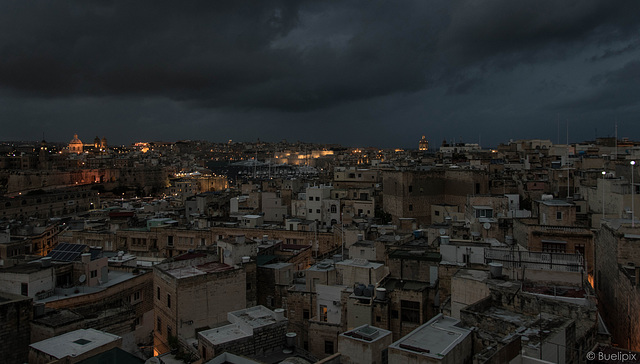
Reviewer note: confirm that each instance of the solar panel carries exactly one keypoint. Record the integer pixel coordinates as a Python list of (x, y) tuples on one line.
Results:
[(65, 252)]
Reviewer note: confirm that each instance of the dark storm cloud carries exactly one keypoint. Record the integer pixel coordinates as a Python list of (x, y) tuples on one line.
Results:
[(614, 90), (220, 53), (235, 57)]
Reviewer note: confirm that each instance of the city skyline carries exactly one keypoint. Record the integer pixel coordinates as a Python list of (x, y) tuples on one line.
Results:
[(357, 74)]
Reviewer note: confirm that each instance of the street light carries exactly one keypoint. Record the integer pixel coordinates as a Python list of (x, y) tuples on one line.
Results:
[(632, 192), (603, 174)]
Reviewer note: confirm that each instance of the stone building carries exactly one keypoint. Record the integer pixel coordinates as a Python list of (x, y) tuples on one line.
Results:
[(558, 324), (49, 204), (15, 315), (364, 344), (617, 277), (122, 305), (252, 331), (194, 292), (73, 347), (410, 194), (75, 145), (440, 340)]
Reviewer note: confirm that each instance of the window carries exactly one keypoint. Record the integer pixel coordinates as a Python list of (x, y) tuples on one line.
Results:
[(136, 296), (305, 314), (410, 188), (310, 211), (323, 313), (378, 319), (488, 213), (248, 286), (317, 198), (169, 300), (159, 325), (158, 292), (318, 211), (137, 321), (437, 213), (554, 246), (169, 331), (410, 207), (394, 314), (559, 215), (170, 240), (94, 273), (328, 347), (24, 289), (410, 311), (334, 209)]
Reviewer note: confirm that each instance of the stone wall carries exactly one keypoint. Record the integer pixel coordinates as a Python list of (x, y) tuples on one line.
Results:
[(264, 340), (15, 317), (410, 194), (319, 334)]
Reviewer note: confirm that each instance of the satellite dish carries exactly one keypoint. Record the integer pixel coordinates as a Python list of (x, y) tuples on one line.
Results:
[(443, 232), (486, 226), (397, 237), (82, 278), (383, 232)]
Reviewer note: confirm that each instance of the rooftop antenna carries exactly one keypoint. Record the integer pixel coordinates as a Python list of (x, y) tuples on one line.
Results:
[(615, 155), (558, 128)]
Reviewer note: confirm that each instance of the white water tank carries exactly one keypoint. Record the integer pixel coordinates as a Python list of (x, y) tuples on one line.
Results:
[(381, 293), (278, 314), (495, 269)]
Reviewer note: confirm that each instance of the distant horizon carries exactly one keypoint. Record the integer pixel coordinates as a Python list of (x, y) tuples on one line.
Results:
[(432, 147)]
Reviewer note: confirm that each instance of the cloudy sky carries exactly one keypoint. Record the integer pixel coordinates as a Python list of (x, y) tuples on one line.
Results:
[(361, 73)]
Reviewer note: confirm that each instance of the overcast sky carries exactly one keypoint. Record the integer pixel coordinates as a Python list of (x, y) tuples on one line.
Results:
[(359, 73)]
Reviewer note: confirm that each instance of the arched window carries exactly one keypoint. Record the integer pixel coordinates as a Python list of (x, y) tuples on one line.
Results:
[(334, 209)]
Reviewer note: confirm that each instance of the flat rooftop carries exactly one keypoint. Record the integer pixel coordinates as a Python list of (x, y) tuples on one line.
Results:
[(243, 322), (277, 265), (58, 318), (74, 343), (256, 316), (555, 203), (366, 333), (25, 268), (416, 255), (196, 270), (115, 277), (473, 274), (224, 334), (360, 263), (434, 338)]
